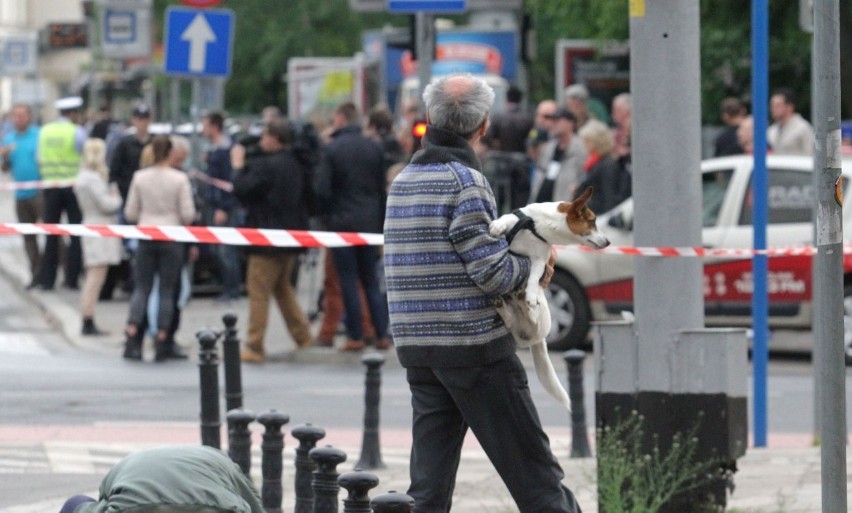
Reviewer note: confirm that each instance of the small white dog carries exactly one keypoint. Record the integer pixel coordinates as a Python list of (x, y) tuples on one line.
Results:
[(531, 231)]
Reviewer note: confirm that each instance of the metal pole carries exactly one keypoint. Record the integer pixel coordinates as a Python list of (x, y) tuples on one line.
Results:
[(425, 47), (208, 368), (579, 435), (231, 355), (759, 80), (829, 285), (371, 454)]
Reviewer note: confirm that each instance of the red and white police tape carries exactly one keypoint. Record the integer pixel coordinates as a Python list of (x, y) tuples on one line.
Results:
[(202, 234), (36, 184), (318, 239)]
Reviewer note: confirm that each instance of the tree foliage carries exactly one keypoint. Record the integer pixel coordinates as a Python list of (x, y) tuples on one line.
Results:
[(269, 32), (725, 44)]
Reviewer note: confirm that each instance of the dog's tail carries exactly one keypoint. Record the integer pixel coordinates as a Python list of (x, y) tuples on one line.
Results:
[(546, 374)]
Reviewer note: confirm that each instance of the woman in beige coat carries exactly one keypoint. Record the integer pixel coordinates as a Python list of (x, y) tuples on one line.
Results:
[(99, 204), (159, 196)]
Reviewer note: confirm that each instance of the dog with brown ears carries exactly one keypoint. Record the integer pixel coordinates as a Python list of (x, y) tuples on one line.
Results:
[(532, 231)]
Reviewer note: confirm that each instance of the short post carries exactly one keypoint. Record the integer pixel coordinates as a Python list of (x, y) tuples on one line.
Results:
[(231, 356), (272, 449), (392, 502), (325, 478), (208, 368), (371, 457), (357, 484), (579, 434), (308, 436), (239, 438)]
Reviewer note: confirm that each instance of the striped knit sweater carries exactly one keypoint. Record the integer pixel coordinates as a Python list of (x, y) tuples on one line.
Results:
[(442, 267)]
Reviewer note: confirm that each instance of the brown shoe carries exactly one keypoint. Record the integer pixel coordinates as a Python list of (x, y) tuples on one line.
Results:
[(353, 345), (383, 344), (249, 355)]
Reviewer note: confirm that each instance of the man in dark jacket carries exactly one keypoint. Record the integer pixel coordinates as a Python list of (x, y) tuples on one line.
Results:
[(220, 205), (274, 189), (350, 188)]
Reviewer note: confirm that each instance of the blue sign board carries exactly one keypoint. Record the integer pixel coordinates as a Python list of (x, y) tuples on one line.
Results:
[(199, 42), (429, 6)]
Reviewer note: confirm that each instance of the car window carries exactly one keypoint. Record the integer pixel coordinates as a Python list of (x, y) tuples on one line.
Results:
[(714, 185), (790, 198)]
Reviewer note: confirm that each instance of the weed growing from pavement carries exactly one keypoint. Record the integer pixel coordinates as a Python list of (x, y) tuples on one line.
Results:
[(633, 480)]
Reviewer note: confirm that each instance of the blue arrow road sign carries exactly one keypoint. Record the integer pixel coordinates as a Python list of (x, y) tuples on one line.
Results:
[(199, 41), (428, 6)]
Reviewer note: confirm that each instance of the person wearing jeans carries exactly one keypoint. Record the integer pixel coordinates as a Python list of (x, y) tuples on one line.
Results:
[(350, 187), (159, 196)]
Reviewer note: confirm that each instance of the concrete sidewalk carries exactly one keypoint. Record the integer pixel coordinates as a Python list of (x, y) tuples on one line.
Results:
[(784, 478)]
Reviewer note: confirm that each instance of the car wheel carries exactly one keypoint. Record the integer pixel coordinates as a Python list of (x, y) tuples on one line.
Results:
[(569, 312), (847, 323)]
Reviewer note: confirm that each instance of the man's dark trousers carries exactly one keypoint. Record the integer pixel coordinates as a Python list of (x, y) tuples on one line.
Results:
[(494, 401), (57, 201)]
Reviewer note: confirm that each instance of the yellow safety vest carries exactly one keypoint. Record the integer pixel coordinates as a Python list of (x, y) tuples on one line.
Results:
[(59, 159)]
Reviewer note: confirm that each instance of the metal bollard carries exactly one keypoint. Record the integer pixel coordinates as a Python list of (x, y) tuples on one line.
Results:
[(272, 449), (208, 368), (392, 502), (231, 357), (239, 438), (579, 435), (371, 456), (324, 484), (357, 483), (308, 436)]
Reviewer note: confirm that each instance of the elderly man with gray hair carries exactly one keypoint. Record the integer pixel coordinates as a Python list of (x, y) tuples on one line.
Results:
[(443, 270)]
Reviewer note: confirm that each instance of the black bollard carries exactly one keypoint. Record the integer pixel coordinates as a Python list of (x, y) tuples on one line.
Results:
[(271, 464), (324, 484), (308, 436), (231, 357), (371, 456), (239, 438), (579, 435), (357, 483), (208, 368), (392, 502)]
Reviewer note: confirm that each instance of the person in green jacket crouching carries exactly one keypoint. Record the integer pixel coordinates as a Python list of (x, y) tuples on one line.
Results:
[(173, 479)]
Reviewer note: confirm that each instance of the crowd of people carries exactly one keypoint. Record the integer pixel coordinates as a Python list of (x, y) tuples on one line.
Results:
[(99, 172)]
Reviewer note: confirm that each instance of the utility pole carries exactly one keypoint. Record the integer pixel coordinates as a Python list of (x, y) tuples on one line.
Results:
[(829, 240), (678, 375)]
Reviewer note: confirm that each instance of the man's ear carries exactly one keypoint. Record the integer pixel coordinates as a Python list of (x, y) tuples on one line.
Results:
[(483, 128)]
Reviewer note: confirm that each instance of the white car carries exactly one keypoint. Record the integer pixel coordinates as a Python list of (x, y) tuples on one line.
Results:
[(594, 287)]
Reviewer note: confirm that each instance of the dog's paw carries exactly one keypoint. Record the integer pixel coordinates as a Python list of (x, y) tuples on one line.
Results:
[(497, 228)]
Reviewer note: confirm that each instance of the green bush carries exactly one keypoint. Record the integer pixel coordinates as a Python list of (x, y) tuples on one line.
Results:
[(635, 479)]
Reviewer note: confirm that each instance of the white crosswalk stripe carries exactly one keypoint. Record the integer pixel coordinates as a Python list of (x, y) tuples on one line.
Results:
[(21, 344)]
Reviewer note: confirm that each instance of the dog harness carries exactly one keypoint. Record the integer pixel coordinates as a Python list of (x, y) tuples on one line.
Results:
[(525, 222)]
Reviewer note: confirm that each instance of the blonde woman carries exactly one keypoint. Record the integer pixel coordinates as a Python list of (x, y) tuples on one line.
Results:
[(612, 183), (159, 196), (99, 204)]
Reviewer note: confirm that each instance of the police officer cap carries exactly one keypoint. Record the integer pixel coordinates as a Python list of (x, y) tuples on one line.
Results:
[(69, 103)]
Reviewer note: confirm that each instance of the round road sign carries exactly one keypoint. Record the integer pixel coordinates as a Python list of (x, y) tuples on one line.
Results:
[(201, 3)]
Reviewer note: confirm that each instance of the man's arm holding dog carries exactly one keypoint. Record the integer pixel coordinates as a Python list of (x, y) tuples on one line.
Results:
[(487, 259), (548, 269)]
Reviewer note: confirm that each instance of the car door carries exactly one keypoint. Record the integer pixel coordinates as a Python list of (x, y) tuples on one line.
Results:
[(790, 200)]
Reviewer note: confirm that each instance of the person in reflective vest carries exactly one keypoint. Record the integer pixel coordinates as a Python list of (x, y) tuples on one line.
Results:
[(60, 145)]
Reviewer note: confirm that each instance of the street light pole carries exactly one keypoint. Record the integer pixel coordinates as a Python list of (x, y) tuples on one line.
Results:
[(829, 241)]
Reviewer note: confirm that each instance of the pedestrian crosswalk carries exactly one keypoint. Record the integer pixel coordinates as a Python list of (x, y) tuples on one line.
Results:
[(21, 344)]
